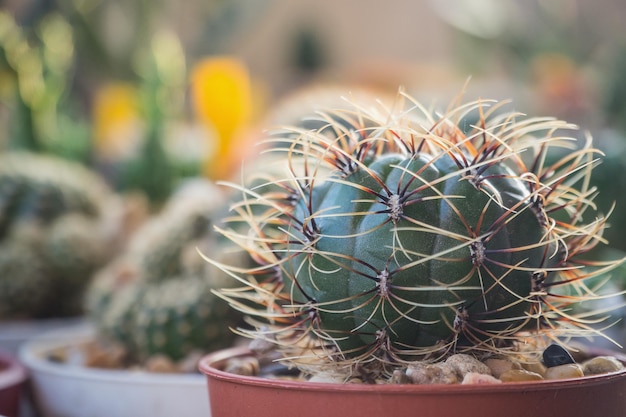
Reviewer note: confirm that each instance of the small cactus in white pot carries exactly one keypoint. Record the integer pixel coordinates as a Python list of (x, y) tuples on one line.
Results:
[(154, 301), (389, 234)]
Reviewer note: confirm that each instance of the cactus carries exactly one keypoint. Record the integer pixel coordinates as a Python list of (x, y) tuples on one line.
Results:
[(392, 233), (156, 298), (179, 316), (24, 284), (41, 189), (56, 219)]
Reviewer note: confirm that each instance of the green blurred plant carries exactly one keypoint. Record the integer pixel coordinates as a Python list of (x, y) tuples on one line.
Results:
[(55, 59), (58, 224), (156, 298), (161, 71), (36, 66)]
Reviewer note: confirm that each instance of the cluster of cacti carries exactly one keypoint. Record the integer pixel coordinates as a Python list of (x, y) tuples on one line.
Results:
[(157, 297), (388, 234), (55, 231)]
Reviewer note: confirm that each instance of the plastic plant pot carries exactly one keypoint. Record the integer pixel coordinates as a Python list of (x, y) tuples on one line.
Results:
[(13, 377), (237, 396), (14, 333), (72, 390)]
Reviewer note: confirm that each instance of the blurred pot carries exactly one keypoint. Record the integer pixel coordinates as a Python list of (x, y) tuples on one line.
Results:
[(13, 333), (12, 380), (72, 390)]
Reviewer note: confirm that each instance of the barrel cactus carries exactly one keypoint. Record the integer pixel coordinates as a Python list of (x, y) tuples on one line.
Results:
[(386, 234), (57, 222), (155, 299)]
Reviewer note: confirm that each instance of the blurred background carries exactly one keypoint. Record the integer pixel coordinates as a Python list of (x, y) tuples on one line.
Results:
[(149, 92)]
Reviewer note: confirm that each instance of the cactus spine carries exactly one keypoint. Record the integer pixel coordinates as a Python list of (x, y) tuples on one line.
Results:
[(397, 234)]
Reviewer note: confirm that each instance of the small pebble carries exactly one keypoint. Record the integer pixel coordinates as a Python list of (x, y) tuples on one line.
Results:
[(161, 364), (519, 375), (478, 378), (247, 366), (57, 355), (569, 370), (464, 364), (110, 356), (602, 365), (436, 373), (498, 366), (536, 367), (327, 378), (556, 355), (399, 377), (356, 380)]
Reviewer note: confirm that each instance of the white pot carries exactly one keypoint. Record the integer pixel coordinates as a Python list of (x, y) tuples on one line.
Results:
[(66, 390), (14, 333)]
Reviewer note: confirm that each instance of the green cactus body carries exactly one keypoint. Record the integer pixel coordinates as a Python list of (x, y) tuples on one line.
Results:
[(113, 305), (172, 317), (180, 316), (41, 188), (395, 235), (386, 247), (25, 287), (167, 242), (156, 298), (61, 214)]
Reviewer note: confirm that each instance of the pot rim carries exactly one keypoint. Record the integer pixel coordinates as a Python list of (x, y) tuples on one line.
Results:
[(209, 366), (33, 356), (19, 329), (11, 371)]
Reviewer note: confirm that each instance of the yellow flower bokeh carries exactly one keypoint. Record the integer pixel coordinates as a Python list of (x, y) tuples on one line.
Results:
[(222, 101), (116, 120)]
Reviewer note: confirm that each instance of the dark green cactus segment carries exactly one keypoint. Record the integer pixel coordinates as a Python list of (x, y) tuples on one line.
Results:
[(173, 317), (40, 188), (365, 240), (73, 246), (25, 284), (401, 235), (180, 316), (113, 306), (164, 259)]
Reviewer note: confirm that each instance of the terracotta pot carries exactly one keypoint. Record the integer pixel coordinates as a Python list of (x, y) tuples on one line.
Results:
[(12, 380), (72, 390), (241, 396)]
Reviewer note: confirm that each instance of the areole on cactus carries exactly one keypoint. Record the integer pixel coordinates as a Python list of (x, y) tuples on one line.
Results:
[(389, 233)]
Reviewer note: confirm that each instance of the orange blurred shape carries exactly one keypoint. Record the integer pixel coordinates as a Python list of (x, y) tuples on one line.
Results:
[(556, 75)]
